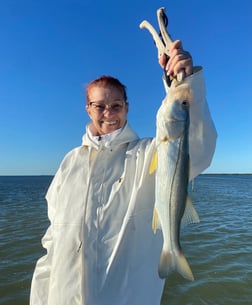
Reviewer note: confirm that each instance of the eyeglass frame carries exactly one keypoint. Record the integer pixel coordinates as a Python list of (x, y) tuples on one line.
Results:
[(105, 106)]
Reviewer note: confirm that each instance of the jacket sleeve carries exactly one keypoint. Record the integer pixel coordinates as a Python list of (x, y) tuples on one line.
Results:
[(202, 132), (42, 273)]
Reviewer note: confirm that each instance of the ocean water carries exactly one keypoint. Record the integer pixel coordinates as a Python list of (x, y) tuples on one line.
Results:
[(219, 248)]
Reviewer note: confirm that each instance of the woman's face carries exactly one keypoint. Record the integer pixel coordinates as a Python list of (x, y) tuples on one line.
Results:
[(107, 109)]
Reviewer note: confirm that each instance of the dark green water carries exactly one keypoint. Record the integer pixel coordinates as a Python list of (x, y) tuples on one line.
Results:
[(219, 248)]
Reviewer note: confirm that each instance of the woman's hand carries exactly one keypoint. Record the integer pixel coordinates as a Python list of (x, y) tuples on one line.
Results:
[(179, 60)]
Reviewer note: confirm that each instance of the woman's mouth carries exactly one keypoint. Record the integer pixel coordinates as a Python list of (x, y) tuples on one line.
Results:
[(109, 123)]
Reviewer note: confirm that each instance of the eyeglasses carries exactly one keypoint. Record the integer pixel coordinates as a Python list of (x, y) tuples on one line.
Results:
[(100, 107)]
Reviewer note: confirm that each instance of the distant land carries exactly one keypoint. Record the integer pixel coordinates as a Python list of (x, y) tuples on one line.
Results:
[(203, 174)]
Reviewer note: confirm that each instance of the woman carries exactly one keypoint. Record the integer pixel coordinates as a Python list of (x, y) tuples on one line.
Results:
[(100, 246)]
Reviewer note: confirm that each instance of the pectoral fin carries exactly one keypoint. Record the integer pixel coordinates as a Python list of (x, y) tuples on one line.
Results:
[(154, 163)]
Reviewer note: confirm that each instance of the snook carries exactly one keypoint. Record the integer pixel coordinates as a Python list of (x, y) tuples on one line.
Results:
[(172, 172)]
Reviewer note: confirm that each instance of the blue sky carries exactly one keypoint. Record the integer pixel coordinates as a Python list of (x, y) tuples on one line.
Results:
[(51, 49)]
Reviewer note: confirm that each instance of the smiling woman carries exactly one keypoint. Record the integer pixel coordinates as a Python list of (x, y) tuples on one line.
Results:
[(106, 105)]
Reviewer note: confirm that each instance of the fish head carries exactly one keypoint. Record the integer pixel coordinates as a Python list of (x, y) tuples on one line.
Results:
[(175, 112)]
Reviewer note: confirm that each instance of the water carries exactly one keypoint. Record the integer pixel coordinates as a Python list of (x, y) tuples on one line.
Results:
[(219, 249), (23, 221)]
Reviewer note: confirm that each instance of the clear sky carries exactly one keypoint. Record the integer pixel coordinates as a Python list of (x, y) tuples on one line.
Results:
[(50, 49)]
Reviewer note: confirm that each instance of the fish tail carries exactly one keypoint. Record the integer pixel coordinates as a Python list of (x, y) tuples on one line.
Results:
[(170, 261)]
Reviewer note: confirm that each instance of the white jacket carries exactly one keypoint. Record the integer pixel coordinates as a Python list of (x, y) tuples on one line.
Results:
[(100, 246)]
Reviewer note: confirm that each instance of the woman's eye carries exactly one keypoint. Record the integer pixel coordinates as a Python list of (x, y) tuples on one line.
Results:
[(100, 107), (115, 106)]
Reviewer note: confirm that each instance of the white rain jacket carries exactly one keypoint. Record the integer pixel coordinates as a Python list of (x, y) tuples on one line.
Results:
[(100, 246)]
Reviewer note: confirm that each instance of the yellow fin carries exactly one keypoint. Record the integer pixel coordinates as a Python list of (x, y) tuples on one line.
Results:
[(154, 163), (154, 221)]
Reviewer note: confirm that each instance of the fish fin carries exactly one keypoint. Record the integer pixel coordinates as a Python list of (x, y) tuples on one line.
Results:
[(190, 214), (154, 162), (170, 261), (155, 221)]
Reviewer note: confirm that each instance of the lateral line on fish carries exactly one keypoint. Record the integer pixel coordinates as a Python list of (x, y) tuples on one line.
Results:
[(172, 182)]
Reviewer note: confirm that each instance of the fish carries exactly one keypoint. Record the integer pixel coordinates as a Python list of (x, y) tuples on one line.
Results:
[(173, 207)]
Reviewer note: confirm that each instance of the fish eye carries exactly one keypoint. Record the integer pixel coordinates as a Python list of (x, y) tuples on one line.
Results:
[(185, 104)]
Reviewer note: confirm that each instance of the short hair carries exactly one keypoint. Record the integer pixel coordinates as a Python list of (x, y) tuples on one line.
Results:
[(106, 81)]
